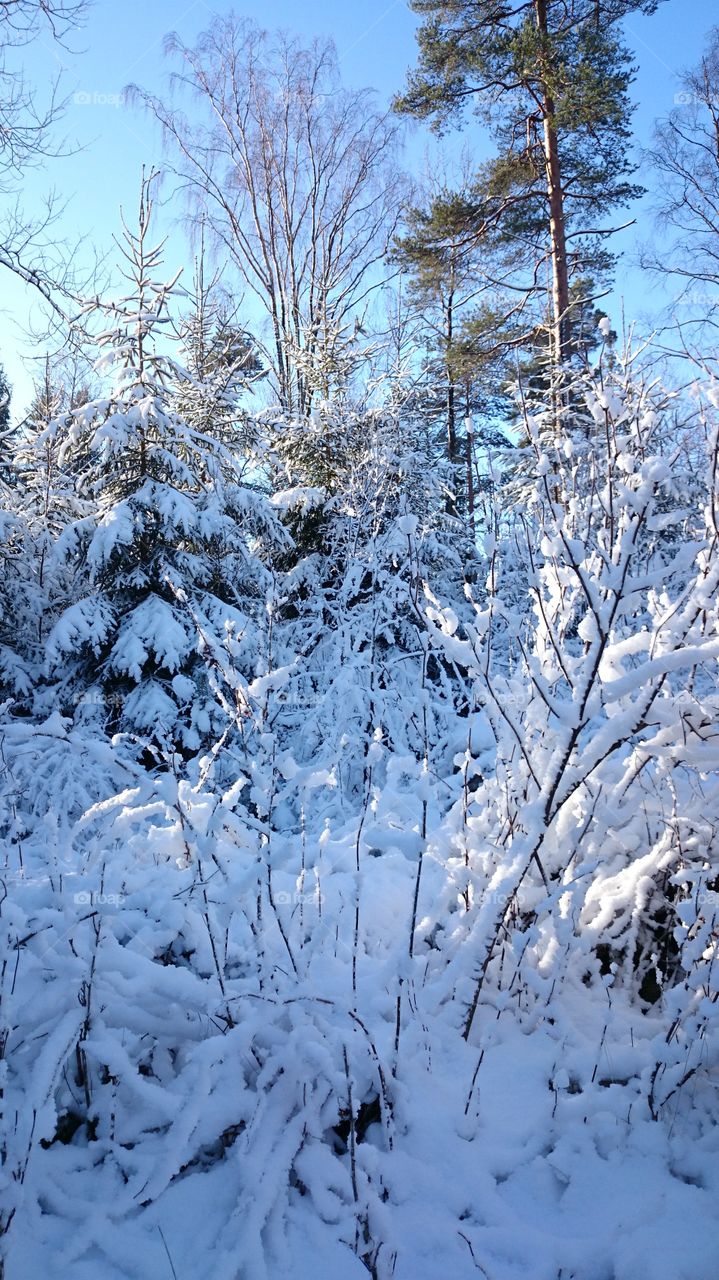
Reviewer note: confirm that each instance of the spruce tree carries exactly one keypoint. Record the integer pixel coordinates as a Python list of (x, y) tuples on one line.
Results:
[(15, 676), (172, 547), (220, 361), (6, 433), (50, 507)]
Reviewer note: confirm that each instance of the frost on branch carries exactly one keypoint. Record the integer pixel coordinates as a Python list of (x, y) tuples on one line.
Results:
[(420, 928)]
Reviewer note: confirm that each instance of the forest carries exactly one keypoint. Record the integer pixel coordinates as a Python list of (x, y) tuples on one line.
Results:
[(359, 630)]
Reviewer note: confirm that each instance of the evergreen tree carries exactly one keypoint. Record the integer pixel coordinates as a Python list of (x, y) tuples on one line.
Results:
[(49, 504), (434, 252), (552, 78), (172, 574), (16, 598), (220, 362), (5, 392), (6, 433), (466, 326)]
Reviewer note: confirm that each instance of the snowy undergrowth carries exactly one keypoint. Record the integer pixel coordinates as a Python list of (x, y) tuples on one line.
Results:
[(182, 1066), (415, 974)]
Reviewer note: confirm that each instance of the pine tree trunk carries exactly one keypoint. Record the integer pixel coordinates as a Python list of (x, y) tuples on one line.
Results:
[(469, 461), (451, 408), (557, 226)]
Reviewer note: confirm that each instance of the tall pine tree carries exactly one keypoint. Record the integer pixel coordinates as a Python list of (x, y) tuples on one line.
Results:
[(552, 78)]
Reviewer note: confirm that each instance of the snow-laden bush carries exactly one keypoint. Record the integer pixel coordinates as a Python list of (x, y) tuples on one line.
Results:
[(586, 853), (412, 972)]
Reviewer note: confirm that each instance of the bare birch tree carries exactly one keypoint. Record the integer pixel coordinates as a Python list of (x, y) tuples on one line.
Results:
[(27, 140), (294, 175), (685, 156)]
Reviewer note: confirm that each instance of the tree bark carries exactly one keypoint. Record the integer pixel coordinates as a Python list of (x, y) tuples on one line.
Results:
[(469, 460), (451, 407), (557, 225)]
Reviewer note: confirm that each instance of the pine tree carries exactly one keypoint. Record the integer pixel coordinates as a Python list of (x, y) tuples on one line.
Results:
[(442, 283), (464, 323), (552, 78), (5, 392), (15, 673)]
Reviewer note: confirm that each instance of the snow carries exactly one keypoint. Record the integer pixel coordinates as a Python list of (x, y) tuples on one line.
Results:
[(357, 918)]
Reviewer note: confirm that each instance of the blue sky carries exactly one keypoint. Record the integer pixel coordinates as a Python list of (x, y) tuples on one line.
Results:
[(122, 43)]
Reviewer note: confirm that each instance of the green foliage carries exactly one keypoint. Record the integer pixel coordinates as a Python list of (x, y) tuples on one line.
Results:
[(481, 51), (5, 393), (526, 69), (7, 468), (466, 328)]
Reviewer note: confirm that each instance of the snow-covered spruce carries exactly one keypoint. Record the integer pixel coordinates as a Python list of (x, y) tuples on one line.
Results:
[(172, 542)]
